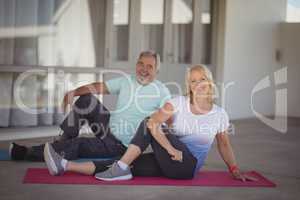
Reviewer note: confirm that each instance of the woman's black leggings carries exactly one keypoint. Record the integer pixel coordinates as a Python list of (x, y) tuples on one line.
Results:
[(158, 163)]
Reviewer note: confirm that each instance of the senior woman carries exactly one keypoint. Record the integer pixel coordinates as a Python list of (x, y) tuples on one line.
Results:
[(179, 149)]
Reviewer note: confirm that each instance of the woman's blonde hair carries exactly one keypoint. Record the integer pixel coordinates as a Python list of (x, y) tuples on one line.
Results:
[(207, 73)]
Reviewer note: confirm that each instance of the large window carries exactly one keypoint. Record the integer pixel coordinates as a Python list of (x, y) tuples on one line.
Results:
[(90, 33), (79, 37), (182, 31), (293, 11), (120, 30), (50, 32), (179, 30), (152, 24)]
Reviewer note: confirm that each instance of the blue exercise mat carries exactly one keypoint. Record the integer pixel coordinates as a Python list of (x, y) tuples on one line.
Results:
[(4, 156)]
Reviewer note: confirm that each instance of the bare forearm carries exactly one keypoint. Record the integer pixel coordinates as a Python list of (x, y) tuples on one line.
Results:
[(154, 125), (93, 88), (161, 138), (227, 154)]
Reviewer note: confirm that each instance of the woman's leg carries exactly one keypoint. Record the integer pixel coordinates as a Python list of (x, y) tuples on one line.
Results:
[(171, 168), (120, 170), (132, 153), (138, 144), (146, 165), (87, 107)]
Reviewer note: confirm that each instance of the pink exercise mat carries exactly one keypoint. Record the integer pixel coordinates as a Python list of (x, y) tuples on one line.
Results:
[(204, 178)]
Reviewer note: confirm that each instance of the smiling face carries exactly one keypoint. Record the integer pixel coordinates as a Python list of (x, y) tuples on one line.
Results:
[(146, 69), (199, 84)]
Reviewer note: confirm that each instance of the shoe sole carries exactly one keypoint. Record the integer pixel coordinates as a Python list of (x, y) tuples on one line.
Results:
[(49, 161), (119, 178), (11, 146)]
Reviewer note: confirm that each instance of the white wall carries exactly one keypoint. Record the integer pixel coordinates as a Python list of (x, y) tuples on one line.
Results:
[(251, 39), (290, 45)]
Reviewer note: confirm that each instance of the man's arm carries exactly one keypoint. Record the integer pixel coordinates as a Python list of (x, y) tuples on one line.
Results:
[(93, 88)]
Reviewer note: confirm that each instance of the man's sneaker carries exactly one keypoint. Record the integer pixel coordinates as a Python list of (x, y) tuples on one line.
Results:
[(53, 161), (17, 152), (114, 173)]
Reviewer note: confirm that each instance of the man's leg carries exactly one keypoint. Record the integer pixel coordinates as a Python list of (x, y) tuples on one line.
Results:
[(95, 147), (106, 147), (80, 147), (66, 148), (88, 108)]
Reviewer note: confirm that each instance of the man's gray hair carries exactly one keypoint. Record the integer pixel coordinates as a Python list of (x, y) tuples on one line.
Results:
[(153, 54)]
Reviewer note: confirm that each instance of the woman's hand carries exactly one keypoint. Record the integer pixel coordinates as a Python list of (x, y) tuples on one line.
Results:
[(176, 155), (68, 100), (243, 177)]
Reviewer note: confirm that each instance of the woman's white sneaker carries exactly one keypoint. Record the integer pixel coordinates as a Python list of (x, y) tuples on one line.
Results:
[(114, 173)]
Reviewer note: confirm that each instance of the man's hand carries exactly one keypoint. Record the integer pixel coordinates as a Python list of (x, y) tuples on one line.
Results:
[(68, 100), (176, 155), (243, 177)]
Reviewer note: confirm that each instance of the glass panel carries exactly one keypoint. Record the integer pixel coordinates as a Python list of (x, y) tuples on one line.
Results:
[(7, 21), (45, 91), (205, 18), (152, 12), (120, 30), (206, 29), (6, 51), (58, 3), (293, 11), (182, 27), (25, 52), (24, 100), (70, 37), (52, 32), (25, 49)]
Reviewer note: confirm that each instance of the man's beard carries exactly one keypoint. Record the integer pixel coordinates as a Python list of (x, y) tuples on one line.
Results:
[(143, 80)]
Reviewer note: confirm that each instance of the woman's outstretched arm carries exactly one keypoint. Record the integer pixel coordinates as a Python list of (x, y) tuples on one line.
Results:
[(226, 152)]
